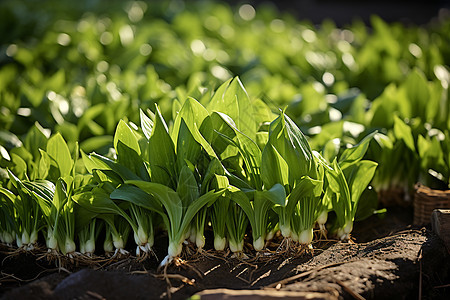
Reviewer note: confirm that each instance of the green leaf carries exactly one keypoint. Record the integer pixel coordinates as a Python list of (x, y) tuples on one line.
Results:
[(35, 140), (161, 153), (358, 178), (404, 132), (167, 198), (242, 200), (417, 91), (43, 192), (188, 149), (20, 166), (248, 149), (192, 112), (8, 194), (146, 124), (60, 196), (125, 135), (187, 188), (194, 116), (274, 169), (277, 195), (368, 204), (291, 144), (232, 98), (354, 154), (43, 188), (128, 150), (91, 163), (97, 201), (58, 150), (341, 201), (4, 154), (98, 162), (138, 197), (83, 218), (96, 142), (205, 200), (215, 168)]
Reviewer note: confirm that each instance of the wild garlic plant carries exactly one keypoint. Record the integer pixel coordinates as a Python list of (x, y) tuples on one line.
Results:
[(225, 161), (347, 179)]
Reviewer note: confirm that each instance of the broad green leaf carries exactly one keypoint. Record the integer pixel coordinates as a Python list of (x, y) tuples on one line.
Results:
[(42, 188), (91, 163), (262, 112), (219, 94), (404, 132), (331, 149), (342, 199), (384, 141), (223, 133), (232, 98), (367, 205), (125, 135), (167, 197), (138, 197), (188, 149), (96, 142), (42, 192), (205, 200), (8, 194), (193, 113), (292, 145), (356, 153), (262, 138), (4, 153), (161, 153), (35, 140), (358, 178), (24, 205), (242, 200), (83, 218), (274, 169), (417, 91), (304, 188), (146, 124), (97, 162), (248, 147), (202, 141), (60, 197), (20, 166), (215, 168), (58, 150), (276, 194), (321, 161), (97, 201), (128, 150), (187, 188)]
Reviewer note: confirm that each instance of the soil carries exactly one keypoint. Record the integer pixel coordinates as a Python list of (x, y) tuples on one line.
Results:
[(389, 259)]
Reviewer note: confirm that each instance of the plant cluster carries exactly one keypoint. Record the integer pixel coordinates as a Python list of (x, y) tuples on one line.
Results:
[(229, 163)]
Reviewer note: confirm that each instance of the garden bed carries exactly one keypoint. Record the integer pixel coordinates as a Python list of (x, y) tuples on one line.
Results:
[(389, 259)]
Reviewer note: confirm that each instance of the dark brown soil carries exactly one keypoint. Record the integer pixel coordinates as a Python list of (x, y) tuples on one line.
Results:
[(389, 260)]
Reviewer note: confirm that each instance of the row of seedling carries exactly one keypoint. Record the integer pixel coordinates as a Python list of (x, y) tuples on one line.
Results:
[(227, 162)]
